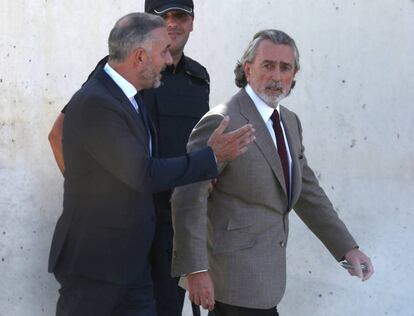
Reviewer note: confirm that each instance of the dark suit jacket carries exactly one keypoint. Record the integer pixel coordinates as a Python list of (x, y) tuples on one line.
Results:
[(107, 225)]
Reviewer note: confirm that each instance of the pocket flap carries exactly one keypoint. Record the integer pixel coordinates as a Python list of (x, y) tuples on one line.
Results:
[(240, 222)]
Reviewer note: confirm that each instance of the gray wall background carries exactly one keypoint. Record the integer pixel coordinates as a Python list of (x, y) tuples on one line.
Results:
[(354, 96)]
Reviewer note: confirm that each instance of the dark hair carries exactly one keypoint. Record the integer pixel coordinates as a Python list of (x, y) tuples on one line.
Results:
[(276, 37), (130, 32)]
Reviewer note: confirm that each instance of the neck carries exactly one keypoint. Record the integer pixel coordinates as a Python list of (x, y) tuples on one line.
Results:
[(126, 71), (176, 57)]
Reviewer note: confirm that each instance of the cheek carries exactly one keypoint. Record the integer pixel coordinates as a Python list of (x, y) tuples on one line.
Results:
[(287, 81), (188, 26), (264, 79)]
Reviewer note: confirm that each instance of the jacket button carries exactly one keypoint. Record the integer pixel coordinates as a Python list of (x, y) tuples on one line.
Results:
[(282, 244)]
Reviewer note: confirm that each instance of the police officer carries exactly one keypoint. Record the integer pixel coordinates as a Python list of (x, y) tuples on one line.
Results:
[(175, 107)]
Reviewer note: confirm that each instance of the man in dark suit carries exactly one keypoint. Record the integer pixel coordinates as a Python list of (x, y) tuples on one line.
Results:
[(175, 107), (101, 245)]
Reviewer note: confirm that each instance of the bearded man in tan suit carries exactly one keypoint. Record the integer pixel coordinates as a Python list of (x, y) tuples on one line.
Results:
[(231, 243)]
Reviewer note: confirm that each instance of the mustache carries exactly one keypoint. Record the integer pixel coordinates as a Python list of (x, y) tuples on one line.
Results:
[(174, 29), (274, 85)]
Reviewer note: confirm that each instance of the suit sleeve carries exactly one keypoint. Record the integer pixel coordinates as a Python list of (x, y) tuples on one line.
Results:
[(317, 212), (189, 210), (106, 135)]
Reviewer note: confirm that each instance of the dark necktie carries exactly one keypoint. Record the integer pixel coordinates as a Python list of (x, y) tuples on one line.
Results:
[(144, 116), (281, 146)]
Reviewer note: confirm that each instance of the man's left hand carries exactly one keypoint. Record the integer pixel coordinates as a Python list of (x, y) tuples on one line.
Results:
[(356, 257)]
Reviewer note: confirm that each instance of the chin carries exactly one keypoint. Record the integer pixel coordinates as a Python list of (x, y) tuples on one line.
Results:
[(271, 100), (156, 84)]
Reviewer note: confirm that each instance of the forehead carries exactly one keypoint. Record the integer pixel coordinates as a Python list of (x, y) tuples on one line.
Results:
[(269, 51)]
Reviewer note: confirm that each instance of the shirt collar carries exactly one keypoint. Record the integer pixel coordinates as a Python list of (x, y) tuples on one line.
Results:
[(127, 88), (265, 110)]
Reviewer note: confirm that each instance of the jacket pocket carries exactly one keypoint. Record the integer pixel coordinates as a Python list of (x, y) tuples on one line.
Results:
[(237, 235)]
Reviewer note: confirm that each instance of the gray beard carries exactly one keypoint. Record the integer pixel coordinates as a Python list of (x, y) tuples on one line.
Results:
[(156, 84), (272, 101)]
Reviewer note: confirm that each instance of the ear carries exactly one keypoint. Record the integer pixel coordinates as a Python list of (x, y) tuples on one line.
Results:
[(139, 56), (247, 69), (294, 80), (294, 75), (192, 24)]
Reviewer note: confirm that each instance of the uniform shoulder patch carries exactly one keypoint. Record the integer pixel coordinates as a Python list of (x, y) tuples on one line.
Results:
[(195, 69)]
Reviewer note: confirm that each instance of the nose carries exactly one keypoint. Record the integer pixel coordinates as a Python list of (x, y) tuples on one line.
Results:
[(276, 74), (170, 20)]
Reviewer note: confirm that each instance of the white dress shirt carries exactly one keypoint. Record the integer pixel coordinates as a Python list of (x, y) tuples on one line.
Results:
[(266, 112), (128, 89)]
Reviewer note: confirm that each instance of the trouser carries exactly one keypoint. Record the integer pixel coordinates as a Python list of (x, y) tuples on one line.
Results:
[(80, 296), (221, 309)]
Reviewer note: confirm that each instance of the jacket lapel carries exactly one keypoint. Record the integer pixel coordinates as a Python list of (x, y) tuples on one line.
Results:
[(263, 140), (288, 124), (124, 102)]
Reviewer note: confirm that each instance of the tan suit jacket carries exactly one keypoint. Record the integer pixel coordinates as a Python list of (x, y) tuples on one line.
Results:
[(239, 232)]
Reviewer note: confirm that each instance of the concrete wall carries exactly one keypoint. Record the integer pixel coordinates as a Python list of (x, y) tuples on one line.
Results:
[(354, 95)]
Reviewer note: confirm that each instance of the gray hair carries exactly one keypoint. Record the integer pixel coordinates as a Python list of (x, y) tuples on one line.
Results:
[(276, 37), (130, 32)]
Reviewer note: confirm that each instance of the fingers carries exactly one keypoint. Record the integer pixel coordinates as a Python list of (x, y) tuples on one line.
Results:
[(204, 299), (228, 146), (217, 134), (211, 185), (370, 271), (361, 264), (247, 138), (243, 150), (207, 302), (241, 132), (242, 136), (222, 127), (193, 298), (201, 290), (356, 268)]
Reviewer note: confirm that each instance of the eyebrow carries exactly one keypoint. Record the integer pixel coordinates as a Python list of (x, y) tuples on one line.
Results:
[(275, 62)]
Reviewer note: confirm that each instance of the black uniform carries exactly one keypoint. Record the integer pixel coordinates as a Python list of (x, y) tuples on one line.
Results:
[(175, 107)]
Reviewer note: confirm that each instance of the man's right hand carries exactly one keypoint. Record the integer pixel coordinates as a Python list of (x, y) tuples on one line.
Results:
[(201, 289), (228, 146)]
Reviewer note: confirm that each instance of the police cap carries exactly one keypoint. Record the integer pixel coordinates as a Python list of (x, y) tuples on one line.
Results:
[(160, 7)]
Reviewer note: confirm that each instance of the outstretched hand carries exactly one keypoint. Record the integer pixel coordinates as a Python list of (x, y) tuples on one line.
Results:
[(228, 146)]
